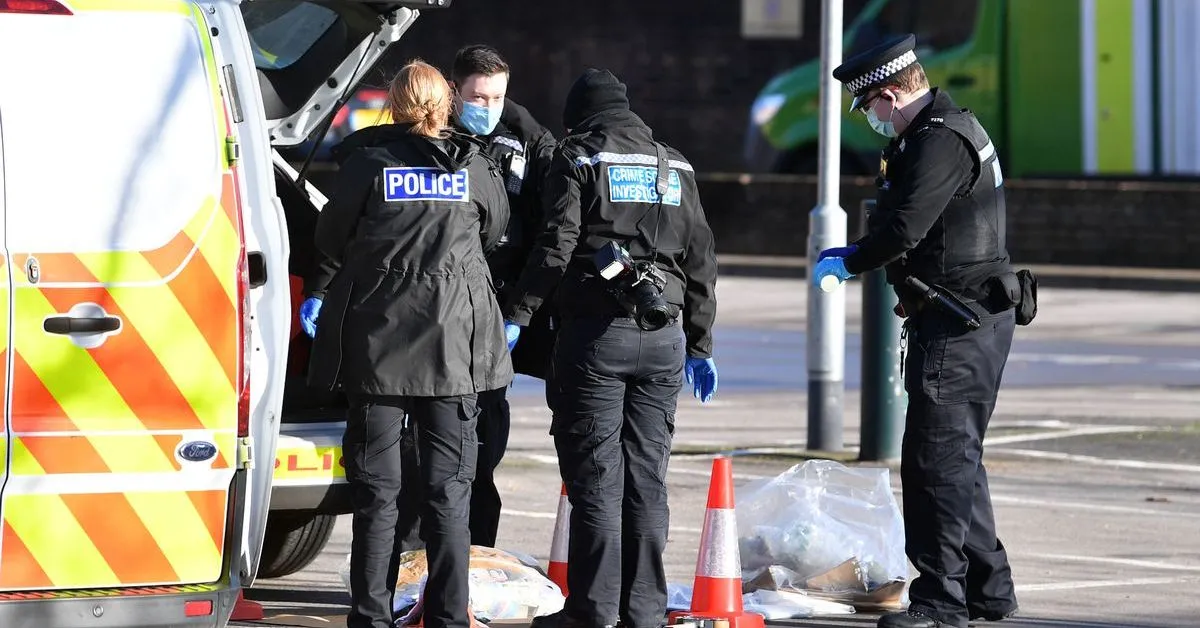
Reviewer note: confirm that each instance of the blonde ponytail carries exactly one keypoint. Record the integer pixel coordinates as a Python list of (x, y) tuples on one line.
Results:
[(419, 95)]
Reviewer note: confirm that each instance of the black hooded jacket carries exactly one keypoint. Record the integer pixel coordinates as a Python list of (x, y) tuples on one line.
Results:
[(597, 192), (411, 310), (523, 148)]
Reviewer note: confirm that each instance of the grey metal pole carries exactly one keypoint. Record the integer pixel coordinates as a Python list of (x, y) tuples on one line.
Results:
[(827, 228), (883, 397)]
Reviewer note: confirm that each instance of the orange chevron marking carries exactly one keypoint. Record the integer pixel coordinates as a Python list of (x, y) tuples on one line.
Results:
[(34, 409), (201, 294), (131, 366), (211, 506), (61, 454), (18, 567), (121, 538)]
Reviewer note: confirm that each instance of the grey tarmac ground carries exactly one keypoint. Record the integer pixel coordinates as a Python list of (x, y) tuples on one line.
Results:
[(1093, 455)]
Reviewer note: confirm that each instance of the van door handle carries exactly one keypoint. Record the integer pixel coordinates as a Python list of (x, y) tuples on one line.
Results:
[(81, 324)]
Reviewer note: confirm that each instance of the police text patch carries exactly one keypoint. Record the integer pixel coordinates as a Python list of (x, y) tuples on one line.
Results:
[(636, 184), (425, 184)]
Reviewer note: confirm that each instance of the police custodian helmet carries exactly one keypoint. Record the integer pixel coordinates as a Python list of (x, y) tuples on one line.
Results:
[(875, 66)]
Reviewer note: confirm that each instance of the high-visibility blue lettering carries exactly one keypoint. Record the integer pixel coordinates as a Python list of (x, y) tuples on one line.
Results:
[(638, 184), (425, 184)]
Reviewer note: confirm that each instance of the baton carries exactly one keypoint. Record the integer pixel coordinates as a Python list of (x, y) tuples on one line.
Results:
[(948, 304)]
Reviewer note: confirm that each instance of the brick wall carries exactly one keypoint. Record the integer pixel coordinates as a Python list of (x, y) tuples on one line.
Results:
[(1094, 223), (690, 73)]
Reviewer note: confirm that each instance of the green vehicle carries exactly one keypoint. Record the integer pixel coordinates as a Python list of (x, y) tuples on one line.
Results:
[(1064, 87)]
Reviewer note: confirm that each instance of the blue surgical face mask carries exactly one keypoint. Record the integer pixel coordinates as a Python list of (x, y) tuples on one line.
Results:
[(883, 127), (480, 120)]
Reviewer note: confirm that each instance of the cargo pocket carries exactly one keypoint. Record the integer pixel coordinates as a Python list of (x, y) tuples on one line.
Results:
[(666, 454), (935, 450), (575, 439), (468, 454)]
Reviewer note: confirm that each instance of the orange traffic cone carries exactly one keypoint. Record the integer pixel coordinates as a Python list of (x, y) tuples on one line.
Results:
[(717, 593), (558, 547), (245, 610)]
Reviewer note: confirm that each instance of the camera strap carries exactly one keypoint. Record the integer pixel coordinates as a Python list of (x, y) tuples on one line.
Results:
[(661, 185)]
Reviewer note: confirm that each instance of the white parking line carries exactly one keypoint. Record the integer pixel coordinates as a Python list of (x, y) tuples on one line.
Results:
[(1126, 562), (1097, 584), (1048, 503), (1069, 433), (1103, 462)]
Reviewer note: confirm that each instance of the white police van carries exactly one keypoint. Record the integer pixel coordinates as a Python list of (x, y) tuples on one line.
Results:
[(158, 450)]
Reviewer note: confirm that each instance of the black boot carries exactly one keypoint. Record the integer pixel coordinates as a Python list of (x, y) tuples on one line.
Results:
[(993, 616), (909, 619)]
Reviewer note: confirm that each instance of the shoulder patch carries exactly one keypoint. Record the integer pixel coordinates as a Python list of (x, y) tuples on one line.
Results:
[(637, 184), (403, 184), (504, 140)]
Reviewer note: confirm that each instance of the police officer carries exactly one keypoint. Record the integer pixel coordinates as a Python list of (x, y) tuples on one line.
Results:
[(409, 326), (522, 148), (627, 244), (940, 225)]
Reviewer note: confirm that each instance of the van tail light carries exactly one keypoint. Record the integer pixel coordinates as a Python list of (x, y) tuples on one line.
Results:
[(44, 7), (244, 346)]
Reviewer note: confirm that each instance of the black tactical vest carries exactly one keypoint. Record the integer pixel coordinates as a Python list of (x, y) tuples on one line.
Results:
[(966, 246)]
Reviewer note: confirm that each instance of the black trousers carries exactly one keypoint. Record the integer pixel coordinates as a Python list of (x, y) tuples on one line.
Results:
[(613, 393), (952, 377), (445, 440), (491, 431)]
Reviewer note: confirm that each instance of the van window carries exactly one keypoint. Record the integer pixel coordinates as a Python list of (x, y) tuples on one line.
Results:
[(281, 32), (108, 147)]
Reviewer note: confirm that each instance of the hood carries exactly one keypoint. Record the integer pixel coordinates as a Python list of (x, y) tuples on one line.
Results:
[(517, 119), (449, 153), (594, 92)]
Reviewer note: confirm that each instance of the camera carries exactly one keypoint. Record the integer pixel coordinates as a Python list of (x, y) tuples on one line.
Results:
[(638, 286)]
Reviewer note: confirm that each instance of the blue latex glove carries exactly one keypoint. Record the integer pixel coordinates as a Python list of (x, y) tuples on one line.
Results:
[(834, 266), (309, 311), (512, 331), (702, 374), (839, 251)]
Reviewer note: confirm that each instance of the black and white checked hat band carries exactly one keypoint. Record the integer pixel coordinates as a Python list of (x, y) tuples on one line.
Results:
[(882, 72)]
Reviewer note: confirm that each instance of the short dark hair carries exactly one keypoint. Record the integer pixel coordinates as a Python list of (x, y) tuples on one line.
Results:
[(477, 59), (910, 79)]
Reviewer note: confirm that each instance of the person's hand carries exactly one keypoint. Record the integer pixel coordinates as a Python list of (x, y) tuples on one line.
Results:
[(309, 311), (512, 331), (839, 251), (702, 374), (830, 267)]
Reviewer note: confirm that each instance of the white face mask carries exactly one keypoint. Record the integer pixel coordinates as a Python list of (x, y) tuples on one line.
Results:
[(883, 127)]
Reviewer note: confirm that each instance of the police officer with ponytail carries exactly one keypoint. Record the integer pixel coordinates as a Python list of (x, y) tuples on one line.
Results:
[(409, 325), (939, 233)]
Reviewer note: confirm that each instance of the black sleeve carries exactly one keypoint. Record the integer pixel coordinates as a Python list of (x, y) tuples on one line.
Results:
[(938, 164), (555, 244), (699, 265), (321, 275), (494, 211), (540, 155), (339, 218)]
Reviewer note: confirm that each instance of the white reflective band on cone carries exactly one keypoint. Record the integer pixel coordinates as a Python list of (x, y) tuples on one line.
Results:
[(562, 528), (719, 545)]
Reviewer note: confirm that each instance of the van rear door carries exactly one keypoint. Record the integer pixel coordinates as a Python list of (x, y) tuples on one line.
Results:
[(122, 216)]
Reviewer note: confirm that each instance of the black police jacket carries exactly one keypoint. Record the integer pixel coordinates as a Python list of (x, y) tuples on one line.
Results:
[(523, 148), (940, 212), (411, 310), (598, 190)]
